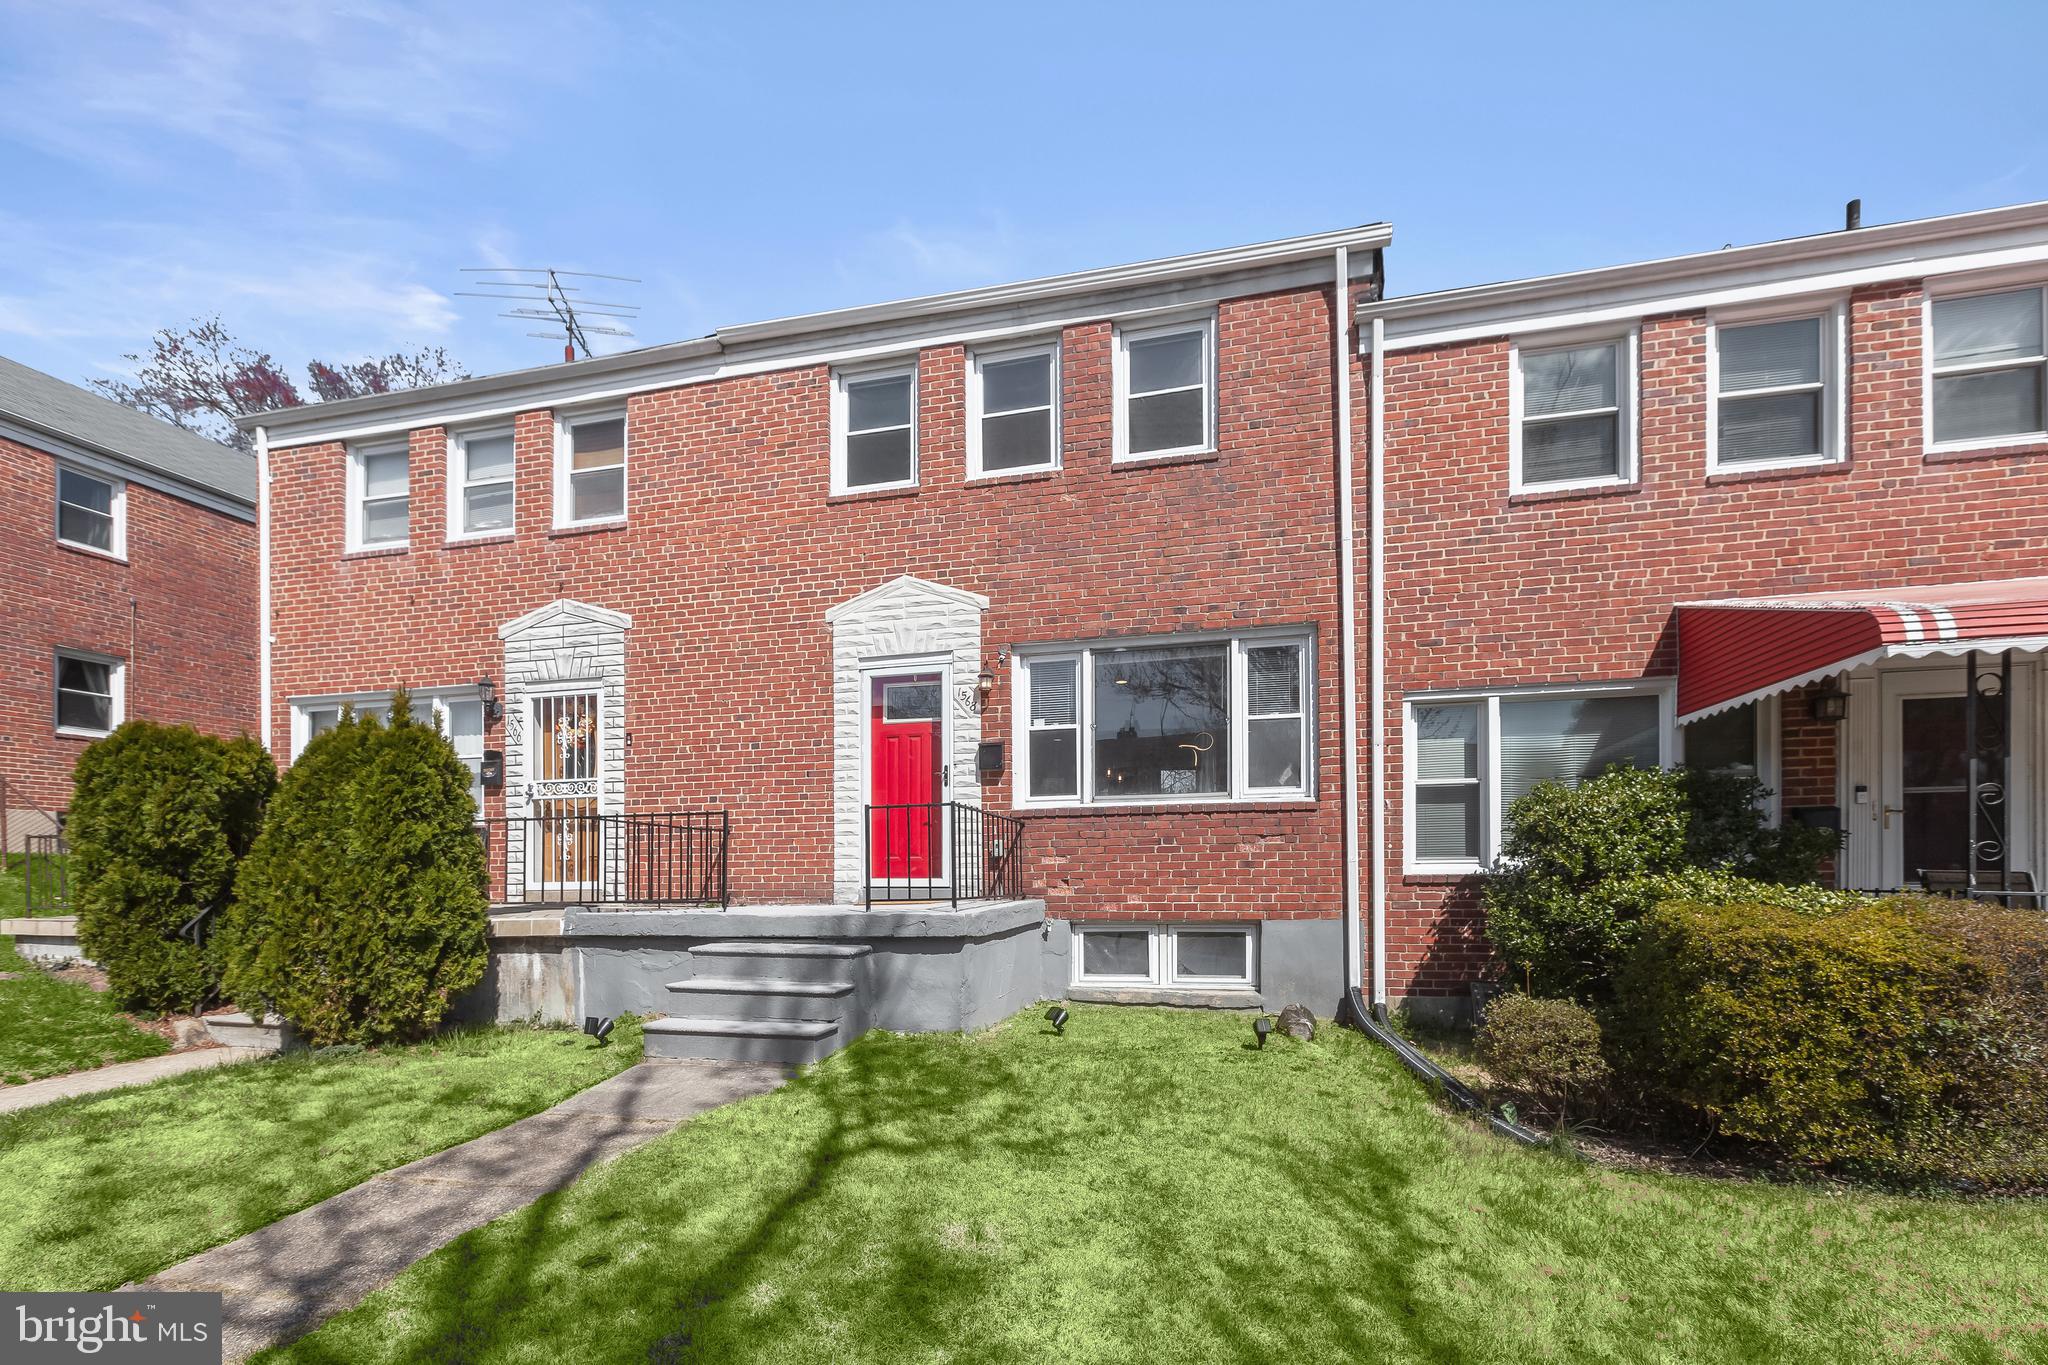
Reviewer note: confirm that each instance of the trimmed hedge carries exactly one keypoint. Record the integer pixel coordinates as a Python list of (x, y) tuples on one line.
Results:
[(361, 912), (1548, 1051), (160, 816), (1903, 1035)]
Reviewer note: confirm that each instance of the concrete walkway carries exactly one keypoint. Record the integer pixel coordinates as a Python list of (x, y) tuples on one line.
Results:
[(282, 1281), (120, 1075)]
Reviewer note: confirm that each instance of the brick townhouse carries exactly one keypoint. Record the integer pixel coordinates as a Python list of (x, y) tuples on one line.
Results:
[(128, 561), (1190, 568), (1779, 507)]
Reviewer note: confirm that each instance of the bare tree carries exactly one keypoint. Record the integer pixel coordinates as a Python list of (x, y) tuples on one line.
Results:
[(200, 378)]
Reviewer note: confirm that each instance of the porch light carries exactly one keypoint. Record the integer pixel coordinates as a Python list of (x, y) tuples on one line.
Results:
[(1831, 705), (1057, 1017), (985, 682), (1263, 1026), (487, 693)]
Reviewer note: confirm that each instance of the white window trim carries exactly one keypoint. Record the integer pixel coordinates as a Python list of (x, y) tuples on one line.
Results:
[(1834, 389), (459, 483), (976, 412), (358, 457), (1769, 726), (1490, 805), (1971, 287), (1120, 364), (1162, 956), (438, 698), (117, 680), (893, 369), (564, 450), (1082, 653), (1628, 343), (117, 505)]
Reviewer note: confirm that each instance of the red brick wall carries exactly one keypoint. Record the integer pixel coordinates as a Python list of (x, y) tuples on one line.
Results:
[(190, 647), (734, 550), (1487, 589)]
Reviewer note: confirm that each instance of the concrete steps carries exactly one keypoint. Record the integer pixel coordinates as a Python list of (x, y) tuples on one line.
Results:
[(762, 1000)]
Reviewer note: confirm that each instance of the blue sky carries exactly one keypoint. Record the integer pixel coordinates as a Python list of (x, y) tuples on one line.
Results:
[(318, 173)]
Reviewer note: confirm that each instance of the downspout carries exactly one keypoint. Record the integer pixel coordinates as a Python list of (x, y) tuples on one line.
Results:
[(1377, 643), (1347, 606), (263, 587)]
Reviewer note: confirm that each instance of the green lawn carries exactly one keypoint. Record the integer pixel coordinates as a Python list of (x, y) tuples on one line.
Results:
[(48, 1026), (1149, 1189), (14, 887), (102, 1190)]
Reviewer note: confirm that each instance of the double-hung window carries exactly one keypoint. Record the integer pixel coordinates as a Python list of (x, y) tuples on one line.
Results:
[(1209, 719), (480, 484), (379, 507), (1166, 389), (90, 512), (1013, 417), (590, 469), (1986, 379), (1470, 758), (88, 694), (1773, 404), (1574, 418), (874, 429)]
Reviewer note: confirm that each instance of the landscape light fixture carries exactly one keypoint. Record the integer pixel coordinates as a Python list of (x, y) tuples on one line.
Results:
[(600, 1029), (1833, 704), (487, 693), (1263, 1026), (1057, 1017)]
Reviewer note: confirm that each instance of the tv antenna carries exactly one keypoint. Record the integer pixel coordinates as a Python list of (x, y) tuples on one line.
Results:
[(546, 299)]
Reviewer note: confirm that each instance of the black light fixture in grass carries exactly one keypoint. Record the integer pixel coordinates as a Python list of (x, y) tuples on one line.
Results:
[(1057, 1017), (1263, 1026), (600, 1029)]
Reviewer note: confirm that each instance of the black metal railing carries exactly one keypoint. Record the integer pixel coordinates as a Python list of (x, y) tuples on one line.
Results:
[(46, 874), (668, 858), (941, 851)]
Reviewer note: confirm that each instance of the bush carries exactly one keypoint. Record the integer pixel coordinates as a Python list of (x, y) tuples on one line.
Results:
[(1835, 1038), (1547, 1051), (1581, 866), (160, 817), (1994, 1121), (361, 911)]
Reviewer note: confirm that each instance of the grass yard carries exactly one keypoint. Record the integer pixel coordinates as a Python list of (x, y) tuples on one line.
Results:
[(14, 886), (1148, 1188), (48, 1027), (109, 1188)]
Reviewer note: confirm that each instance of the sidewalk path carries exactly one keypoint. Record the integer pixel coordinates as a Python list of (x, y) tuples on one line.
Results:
[(283, 1280), (121, 1074)]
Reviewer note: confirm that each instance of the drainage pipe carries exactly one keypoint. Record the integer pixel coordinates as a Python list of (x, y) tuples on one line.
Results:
[(1376, 644), (1373, 1024), (1347, 607), (263, 586)]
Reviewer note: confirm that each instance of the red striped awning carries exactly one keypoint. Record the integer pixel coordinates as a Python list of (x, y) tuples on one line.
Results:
[(1738, 650)]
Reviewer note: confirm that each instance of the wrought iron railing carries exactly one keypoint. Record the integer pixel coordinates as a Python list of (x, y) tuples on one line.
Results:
[(668, 858), (46, 872), (941, 851)]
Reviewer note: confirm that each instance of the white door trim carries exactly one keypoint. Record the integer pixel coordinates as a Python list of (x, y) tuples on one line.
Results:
[(1897, 685), (872, 670)]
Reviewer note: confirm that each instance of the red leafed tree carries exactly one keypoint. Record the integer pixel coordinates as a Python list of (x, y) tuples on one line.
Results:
[(200, 378)]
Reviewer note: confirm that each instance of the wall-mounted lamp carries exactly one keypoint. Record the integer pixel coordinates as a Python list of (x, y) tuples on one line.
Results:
[(487, 693), (1831, 705), (985, 683)]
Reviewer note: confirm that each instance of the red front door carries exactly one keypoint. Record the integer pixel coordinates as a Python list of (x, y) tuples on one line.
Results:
[(905, 739)]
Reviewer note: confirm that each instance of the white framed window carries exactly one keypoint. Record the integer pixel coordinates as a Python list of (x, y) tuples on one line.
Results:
[(1775, 396), (88, 693), (1013, 411), (1471, 756), (457, 712), (1165, 380), (1180, 719), (379, 501), (1188, 956), (1987, 368), (874, 428), (590, 468), (1741, 740), (92, 512), (1572, 416), (480, 483)]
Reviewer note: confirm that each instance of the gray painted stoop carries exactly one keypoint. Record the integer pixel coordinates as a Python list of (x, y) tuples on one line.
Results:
[(758, 1000)]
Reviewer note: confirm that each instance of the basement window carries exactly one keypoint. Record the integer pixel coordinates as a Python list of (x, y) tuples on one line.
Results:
[(1188, 956)]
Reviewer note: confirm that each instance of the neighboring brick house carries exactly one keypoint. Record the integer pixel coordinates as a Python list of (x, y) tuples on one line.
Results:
[(1852, 421), (128, 567), (796, 570)]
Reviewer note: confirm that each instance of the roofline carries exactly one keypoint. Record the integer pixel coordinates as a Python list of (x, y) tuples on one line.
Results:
[(67, 445), (1534, 291), (1141, 274)]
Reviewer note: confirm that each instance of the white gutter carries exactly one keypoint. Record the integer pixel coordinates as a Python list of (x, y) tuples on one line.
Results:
[(1347, 606), (263, 586), (1377, 643)]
